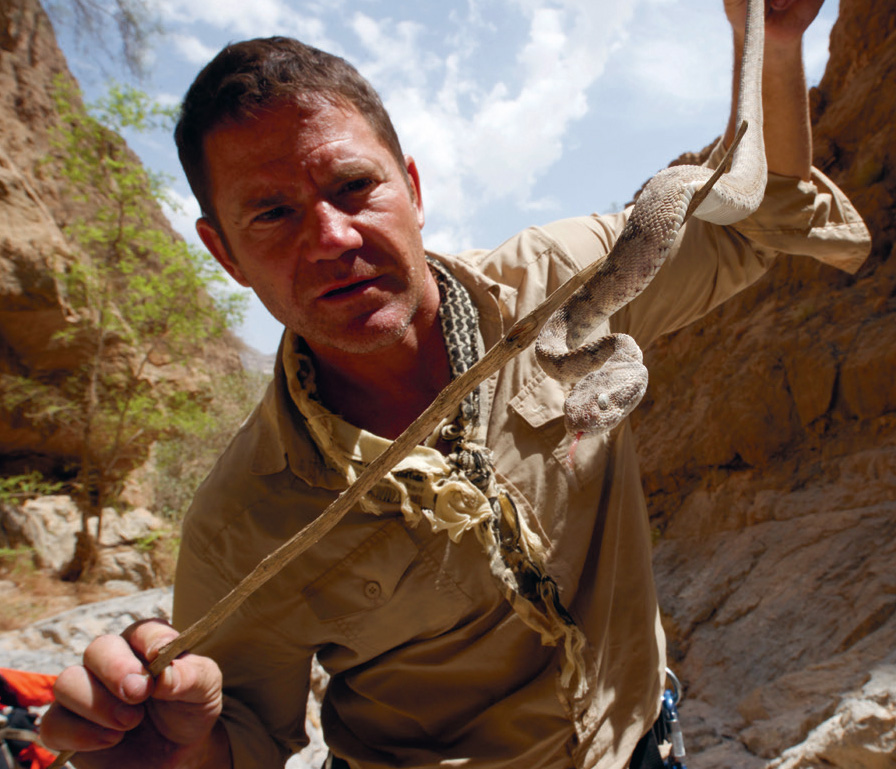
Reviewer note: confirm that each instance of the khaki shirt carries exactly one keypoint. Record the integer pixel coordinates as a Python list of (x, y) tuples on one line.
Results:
[(429, 664)]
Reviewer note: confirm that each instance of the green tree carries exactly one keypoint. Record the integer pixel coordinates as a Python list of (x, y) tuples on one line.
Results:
[(143, 303)]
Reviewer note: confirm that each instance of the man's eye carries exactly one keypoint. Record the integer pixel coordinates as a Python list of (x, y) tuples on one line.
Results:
[(356, 185), (273, 214)]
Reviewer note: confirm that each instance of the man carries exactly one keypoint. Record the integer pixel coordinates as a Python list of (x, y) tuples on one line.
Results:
[(487, 604)]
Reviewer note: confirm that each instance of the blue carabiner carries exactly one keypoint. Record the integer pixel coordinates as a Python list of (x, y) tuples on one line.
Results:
[(672, 725)]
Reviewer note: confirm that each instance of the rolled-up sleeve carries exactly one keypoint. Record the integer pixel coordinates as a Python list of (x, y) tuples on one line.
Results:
[(810, 218), (710, 263)]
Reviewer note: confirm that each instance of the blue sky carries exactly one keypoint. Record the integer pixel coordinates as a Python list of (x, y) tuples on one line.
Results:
[(516, 111)]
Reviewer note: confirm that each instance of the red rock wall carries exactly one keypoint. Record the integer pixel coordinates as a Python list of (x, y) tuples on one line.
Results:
[(768, 442), (33, 210)]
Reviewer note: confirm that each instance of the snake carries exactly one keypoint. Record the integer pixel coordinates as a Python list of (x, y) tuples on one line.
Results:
[(606, 375)]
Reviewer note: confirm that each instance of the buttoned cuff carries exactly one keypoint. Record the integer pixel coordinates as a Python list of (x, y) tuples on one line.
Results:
[(810, 218)]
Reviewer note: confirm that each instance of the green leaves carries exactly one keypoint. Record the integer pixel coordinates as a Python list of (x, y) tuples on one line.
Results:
[(15, 488), (145, 302), (127, 107)]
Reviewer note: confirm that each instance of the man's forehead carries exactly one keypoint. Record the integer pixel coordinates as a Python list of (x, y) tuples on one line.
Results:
[(277, 151), (307, 125)]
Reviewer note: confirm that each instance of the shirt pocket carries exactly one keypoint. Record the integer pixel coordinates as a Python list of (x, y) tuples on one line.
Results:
[(366, 578), (539, 403), (385, 592)]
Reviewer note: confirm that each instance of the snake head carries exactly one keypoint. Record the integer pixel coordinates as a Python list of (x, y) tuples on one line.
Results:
[(603, 398)]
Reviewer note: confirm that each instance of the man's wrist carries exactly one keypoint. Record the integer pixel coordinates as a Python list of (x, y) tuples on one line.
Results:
[(783, 51)]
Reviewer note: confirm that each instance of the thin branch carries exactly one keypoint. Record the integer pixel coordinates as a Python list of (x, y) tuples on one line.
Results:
[(521, 335)]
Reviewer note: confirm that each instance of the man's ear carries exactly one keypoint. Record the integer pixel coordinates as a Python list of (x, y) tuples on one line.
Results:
[(416, 190), (216, 246)]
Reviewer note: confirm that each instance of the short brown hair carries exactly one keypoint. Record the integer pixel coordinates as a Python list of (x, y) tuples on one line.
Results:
[(246, 78)]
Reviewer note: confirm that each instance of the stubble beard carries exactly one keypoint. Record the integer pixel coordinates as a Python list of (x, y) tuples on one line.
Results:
[(373, 335)]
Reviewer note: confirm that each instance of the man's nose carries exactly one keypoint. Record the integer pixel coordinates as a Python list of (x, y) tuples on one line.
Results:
[(333, 232)]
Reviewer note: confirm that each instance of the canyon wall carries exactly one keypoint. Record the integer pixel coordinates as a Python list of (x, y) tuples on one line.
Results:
[(768, 445)]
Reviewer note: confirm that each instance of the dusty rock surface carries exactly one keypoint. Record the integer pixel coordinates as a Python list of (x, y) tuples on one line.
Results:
[(768, 445), (54, 643)]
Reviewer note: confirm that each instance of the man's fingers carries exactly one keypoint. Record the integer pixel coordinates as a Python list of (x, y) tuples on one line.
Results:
[(149, 636), (112, 661), (190, 678), (63, 728), (86, 696), (188, 698), (60, 729)]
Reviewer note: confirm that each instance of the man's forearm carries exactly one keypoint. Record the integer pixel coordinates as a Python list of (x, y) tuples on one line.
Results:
[(785, 103)]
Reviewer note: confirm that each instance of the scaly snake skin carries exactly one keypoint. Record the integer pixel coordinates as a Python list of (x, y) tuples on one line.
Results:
[(608, 374)]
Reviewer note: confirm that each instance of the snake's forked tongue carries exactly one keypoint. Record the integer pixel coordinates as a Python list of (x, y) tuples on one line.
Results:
[(570, 456)]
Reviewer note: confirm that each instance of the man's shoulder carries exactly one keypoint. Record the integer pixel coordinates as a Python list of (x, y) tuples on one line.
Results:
[(526, 267), (234, 480), (572, 242)]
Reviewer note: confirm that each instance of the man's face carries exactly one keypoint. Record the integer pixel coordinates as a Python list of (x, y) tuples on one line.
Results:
[(318, 218)]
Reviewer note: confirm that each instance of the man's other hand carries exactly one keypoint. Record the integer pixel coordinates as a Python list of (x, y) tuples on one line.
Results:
[(112, 712), (785, 20)]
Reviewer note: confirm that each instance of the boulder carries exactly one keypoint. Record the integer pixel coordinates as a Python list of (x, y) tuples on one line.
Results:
[(50, 525)]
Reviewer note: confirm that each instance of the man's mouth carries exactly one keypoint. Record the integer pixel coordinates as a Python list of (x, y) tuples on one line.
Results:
[(347, 289)]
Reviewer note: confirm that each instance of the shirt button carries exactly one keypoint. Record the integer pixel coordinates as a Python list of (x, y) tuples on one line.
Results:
[(372, 590)]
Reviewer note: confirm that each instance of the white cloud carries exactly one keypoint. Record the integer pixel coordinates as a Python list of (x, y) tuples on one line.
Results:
[(166, 99), (183, 215), (398, 55), (241, 19), (448, 239), (236, 15), (192, 48), (679, 56), (480, 137)]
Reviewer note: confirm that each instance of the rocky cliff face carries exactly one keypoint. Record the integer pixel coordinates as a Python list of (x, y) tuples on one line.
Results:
[(33, 211), (32, 247), (768, 443)]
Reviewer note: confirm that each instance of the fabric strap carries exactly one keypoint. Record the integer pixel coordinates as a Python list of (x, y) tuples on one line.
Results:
[(516, 555)]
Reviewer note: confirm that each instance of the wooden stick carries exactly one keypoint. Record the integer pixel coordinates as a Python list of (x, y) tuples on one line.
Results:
[(520, 336)]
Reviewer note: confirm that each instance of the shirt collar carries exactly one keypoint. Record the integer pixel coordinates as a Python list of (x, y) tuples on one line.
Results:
[(281, 437)]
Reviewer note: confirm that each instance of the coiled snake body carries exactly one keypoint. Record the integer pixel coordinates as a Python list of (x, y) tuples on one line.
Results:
[(608, 374)]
